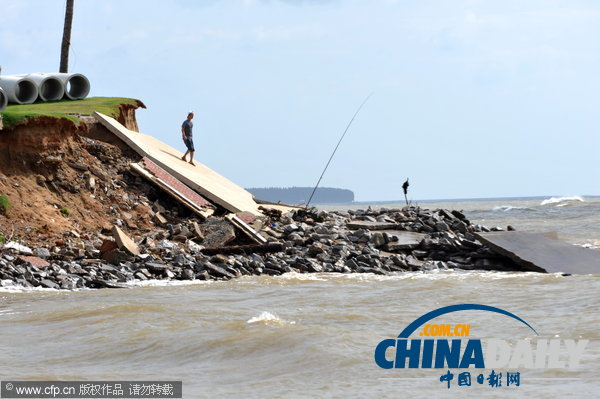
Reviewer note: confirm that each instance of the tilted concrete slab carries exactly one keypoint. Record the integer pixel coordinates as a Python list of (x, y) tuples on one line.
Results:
[(538, 253), (206, 181), (365, 224), (404, 240), (176, 189), (124, 242)]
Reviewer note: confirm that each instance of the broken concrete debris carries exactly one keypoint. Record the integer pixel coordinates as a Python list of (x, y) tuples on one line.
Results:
[(172, 186), (124, 242), (160, 223), (542, 253), (306, 246), (246, 228)]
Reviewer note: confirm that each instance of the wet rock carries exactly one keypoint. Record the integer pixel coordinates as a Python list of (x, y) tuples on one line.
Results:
[(46, 283), (187, 274), (203, 275), (140, 275), (169, 274), (367, 269), (272, 272), (217, 271), (68, 284), (106, 284), (398, 260)]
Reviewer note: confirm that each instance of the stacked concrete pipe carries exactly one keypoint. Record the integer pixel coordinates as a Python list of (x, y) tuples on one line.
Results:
[(77, 86), (3, 100), (19, 89), (50, 88)]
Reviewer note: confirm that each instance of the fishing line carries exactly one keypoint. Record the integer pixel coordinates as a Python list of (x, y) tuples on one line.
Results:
[(336, 147)]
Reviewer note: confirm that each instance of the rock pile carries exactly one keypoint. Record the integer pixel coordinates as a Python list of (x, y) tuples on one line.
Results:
[(84, 219), (364, 241)]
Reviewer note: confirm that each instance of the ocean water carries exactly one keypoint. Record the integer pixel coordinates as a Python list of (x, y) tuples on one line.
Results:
[(310, 336)]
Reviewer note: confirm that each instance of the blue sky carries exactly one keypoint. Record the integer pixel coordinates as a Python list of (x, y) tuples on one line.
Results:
[(471, 98)]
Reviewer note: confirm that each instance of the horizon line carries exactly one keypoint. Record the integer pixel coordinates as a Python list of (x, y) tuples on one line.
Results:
[(464, 199)]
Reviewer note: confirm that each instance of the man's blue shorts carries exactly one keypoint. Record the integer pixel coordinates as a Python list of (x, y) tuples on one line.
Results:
[(189, 143)]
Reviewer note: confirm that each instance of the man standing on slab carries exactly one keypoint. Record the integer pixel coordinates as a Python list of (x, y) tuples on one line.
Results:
[(186, 135)]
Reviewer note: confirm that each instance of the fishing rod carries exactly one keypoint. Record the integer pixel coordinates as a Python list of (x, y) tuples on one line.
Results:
[(336, 147)]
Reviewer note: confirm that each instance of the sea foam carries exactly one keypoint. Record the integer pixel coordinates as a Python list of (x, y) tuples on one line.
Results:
[(268, 318)]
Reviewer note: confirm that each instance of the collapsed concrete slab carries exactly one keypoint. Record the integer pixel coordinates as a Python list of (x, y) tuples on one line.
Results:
[(246, 228), (402, 240), (536, 252), (202, 179), (172, 186), (368, 225), (124, 242)]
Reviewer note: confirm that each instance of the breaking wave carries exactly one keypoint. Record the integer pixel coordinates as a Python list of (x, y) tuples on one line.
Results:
[(166, 283), (269, 318), (12, 287), (507, 208), (562, 201)]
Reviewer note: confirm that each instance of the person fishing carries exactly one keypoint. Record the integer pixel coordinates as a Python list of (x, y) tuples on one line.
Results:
[(186, 135)]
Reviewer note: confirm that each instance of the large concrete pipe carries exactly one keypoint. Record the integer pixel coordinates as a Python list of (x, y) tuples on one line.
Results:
[(77, 86), (50, 88), (19, 90), (3, 100)]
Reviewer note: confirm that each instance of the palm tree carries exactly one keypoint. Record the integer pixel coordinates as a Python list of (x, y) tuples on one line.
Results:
[(66, 39)]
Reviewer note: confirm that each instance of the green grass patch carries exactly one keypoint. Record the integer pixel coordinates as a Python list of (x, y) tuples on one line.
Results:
[(65, 211), (5, 204), (13, 114)]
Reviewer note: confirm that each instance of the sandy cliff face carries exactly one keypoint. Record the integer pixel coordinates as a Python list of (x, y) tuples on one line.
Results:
[(127, 115), (34, 138), (63, 180)]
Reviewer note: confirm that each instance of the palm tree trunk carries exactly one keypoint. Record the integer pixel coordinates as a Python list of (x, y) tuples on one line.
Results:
[(66, 39)]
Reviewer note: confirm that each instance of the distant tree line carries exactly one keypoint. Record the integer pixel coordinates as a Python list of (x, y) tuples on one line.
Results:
[(297, 195)]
